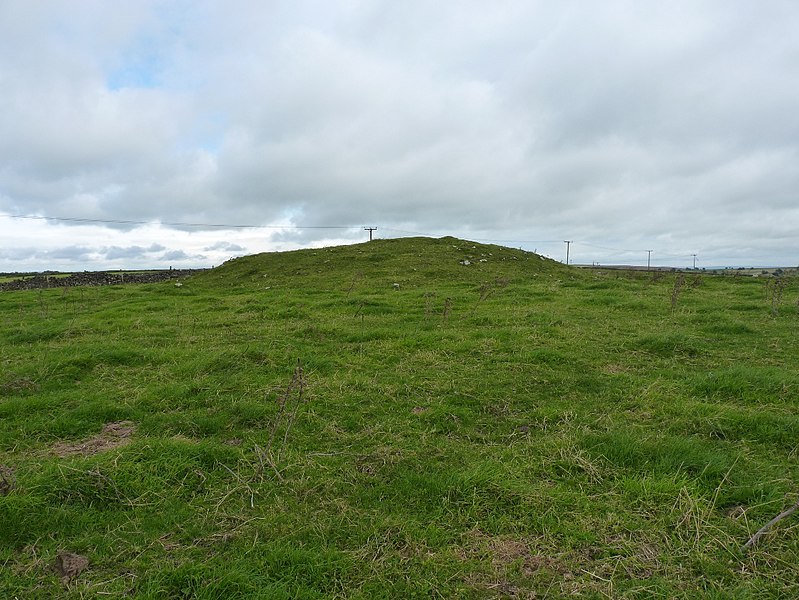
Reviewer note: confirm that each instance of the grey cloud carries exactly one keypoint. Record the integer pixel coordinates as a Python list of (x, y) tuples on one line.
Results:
[(304, 237), (227, 246), (180, 255), (70, 253), (117, 252), (86, 253), (641, 123)]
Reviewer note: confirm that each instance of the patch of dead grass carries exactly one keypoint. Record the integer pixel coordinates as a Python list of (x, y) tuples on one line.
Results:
[(113, 435), (18, 386), (519, 568), (513, 561)]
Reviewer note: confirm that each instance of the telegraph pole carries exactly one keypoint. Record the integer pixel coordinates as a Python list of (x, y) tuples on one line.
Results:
[(370, 230), (568, 244), (648, 257)]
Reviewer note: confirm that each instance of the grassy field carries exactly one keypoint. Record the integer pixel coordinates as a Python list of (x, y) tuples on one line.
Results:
[(385, 421)]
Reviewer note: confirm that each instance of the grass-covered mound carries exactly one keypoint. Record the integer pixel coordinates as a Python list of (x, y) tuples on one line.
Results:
[(415, 262), (395, 419)]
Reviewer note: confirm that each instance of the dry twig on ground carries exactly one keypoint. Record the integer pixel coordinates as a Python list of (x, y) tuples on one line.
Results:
[(764, 530)]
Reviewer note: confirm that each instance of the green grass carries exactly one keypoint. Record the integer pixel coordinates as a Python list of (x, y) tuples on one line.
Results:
[(507, 428)]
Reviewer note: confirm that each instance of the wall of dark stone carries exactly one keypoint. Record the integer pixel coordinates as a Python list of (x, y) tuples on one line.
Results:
[(93, 278)]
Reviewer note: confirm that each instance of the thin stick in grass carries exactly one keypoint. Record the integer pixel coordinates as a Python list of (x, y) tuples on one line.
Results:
[(764, 530), (285, 417), (298, 383)]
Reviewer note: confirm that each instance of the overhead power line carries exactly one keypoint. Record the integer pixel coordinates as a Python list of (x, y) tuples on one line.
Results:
[(176, 224), (634, 251), (660, 256)]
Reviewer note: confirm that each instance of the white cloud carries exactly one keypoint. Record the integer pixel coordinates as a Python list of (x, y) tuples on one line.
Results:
[(621, 124)]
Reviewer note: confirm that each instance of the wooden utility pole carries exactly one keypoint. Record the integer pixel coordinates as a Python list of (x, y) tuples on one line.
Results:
[(568, 244), (370, 230)]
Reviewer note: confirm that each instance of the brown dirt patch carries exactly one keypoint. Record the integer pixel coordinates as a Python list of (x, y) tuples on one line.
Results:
[(516, 566), (69, 565), (7, 480), (18, 386), (504, 552), (113, 435)]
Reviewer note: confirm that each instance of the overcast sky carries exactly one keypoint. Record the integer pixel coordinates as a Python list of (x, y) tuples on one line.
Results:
[(624, 126)]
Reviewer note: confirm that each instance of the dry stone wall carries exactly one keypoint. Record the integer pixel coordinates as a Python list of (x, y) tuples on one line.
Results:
[(93, 278)]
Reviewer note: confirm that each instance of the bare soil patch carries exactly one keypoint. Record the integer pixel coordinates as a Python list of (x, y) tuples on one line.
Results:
[(7, 480), (69, 565), (18, 386), (113, 435)]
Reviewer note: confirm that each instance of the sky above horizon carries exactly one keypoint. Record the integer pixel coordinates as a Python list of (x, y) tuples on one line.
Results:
[(177, 133)]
